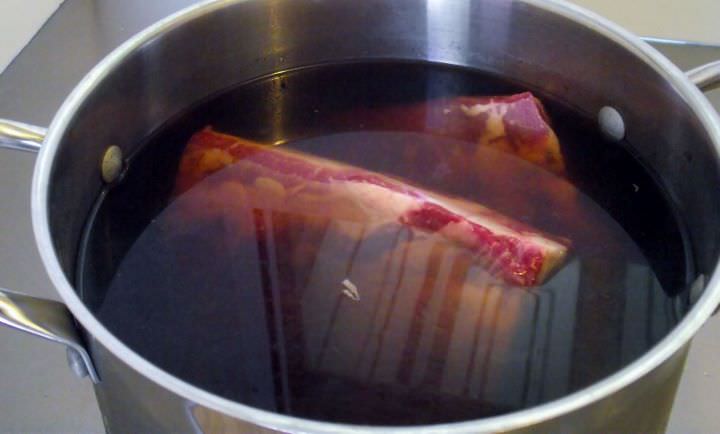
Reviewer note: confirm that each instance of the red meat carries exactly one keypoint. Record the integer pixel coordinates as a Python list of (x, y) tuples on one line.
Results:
[(277, 178)]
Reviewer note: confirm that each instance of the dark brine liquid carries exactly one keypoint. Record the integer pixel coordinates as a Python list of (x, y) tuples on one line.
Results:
[(348, 321)]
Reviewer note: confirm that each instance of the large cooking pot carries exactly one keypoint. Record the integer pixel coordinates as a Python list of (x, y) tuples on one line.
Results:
[(548, 45)]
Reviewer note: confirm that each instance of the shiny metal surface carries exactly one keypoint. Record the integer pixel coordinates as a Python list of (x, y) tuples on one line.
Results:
[(416, 47), (706, 77), (443, 37), (49, 320), (130, 403), (20, 136)]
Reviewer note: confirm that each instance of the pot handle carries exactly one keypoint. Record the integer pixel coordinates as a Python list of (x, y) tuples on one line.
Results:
[(20, 136), (706, 77), (47, 319)]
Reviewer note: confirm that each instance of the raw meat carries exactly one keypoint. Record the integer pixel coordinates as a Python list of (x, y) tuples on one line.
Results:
[(516, 124), (277, 178)]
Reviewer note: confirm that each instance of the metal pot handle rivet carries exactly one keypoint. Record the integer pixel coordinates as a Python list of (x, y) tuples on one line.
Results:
[(111, 165), (47, 319), (612, 124)]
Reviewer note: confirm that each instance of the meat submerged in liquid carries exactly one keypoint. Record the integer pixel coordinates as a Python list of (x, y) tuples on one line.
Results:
[(515, 124), (276, 178)]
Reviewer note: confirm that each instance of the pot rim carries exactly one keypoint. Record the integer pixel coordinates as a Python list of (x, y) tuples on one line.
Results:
[(663, 350)]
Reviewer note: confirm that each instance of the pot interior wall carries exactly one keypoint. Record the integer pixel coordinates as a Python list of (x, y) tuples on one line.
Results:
[(226, 44)]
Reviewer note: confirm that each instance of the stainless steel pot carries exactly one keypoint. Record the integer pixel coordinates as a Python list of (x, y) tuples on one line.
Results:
[(550, 45)]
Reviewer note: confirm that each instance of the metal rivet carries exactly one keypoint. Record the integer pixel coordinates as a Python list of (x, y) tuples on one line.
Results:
[(112, 164), (611, 123)]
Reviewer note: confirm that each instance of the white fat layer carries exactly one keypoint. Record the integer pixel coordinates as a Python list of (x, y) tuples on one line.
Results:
[(384, 204), (379, 202), (494, 125), (490, 108)]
